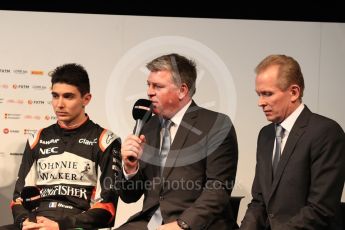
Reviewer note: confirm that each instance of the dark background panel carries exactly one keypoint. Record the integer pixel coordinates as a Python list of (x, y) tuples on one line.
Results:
[(263, 10)]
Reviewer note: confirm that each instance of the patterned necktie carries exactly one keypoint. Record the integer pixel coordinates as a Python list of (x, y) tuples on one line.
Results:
[(166, 142), (277, 153), (157, 219)]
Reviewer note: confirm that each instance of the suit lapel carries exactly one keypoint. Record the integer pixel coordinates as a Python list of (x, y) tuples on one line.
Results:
[(182, 133), (296, 132), (267, 143), (151, 149)]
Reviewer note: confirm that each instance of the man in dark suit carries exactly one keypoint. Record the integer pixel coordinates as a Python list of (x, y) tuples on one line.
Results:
[(191, 190), (300, 171)]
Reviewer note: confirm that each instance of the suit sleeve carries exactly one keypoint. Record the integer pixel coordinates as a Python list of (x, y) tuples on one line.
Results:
[(127, 188), (222, 156), (256, 215), (102, 211), (327, 167)]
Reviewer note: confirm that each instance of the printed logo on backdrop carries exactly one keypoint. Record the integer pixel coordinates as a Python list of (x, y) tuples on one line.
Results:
[(29, 131), (35, 102), (20, 86), (10, 131), (32, 117), (20, 71), (37, 72), (14, 116), (39, 87), (6, 130), (127, 82), (50, 117), (4, 86), (15, 101), (5, 70), (16, 154)]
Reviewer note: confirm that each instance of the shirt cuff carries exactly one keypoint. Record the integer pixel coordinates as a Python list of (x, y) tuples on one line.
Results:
[(127, 175)]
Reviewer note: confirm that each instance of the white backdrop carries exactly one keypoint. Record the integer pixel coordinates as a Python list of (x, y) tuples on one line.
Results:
[(114, 50)]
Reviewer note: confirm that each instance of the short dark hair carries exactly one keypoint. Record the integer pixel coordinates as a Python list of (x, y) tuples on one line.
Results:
[(183, 69), (72, 74)]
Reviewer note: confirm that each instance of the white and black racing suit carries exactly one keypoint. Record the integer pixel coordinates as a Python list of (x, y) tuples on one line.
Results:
[(74, 170)]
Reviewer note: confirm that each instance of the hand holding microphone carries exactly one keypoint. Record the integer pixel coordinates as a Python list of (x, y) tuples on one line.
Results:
[(30, 196), (132, 147)]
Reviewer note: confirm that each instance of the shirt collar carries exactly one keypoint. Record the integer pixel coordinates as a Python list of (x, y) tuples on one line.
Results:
[(288, 123), (177, 118)]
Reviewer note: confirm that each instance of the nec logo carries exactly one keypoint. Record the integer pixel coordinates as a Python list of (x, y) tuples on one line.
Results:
[(48, 150)]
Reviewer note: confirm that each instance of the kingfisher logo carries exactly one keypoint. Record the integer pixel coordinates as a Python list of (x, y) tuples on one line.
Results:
[(6, 130)]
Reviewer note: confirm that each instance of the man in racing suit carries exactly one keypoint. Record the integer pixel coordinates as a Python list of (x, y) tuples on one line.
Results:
[(73, 163)]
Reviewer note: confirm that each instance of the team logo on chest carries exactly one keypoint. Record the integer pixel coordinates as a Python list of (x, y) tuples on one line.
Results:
[(87, 142), (48, 151)]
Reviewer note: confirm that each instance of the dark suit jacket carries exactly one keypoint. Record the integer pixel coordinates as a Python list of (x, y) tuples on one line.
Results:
[(307, 188), (199, 174)]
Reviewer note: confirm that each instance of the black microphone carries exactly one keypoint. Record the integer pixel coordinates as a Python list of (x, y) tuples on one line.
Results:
[(31, 196), (142, 112)]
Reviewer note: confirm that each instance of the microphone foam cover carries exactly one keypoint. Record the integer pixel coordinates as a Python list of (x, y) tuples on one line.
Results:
[(142, 108)]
